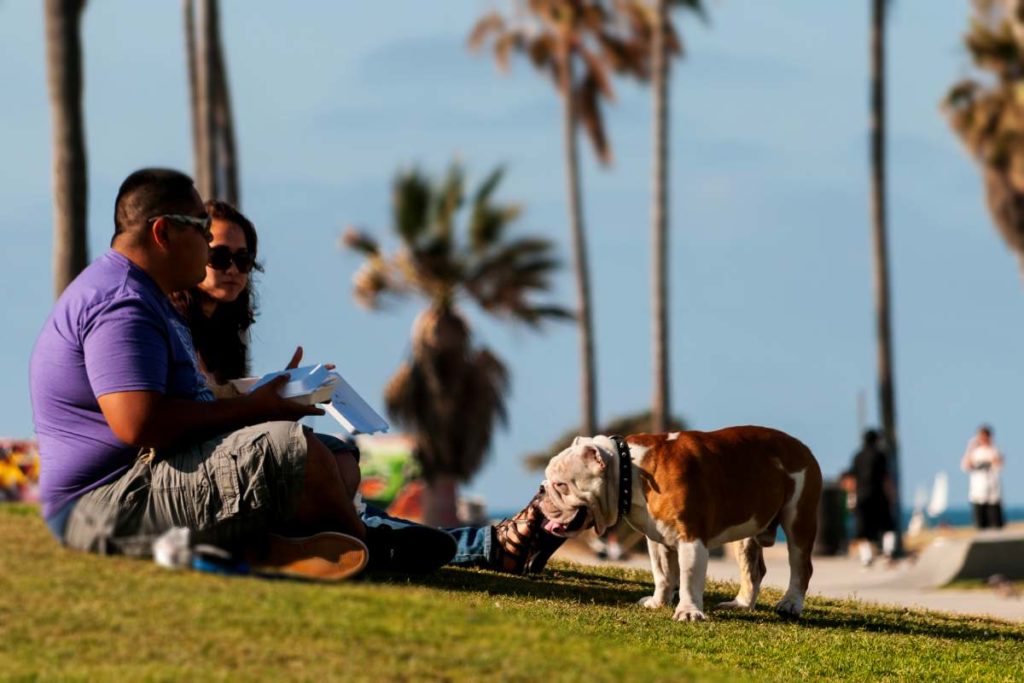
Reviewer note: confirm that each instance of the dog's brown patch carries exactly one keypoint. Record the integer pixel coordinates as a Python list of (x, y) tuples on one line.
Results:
[(706, 482)]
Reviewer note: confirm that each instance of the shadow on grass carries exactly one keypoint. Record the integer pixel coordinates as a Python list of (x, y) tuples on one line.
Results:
[(560, 584), (581, 587), (932, 624)]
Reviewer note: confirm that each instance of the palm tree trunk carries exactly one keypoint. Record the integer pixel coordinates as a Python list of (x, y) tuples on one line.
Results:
[(886, 389), (439, 501), (191, 57), (226, 153), (70, 181), (205, 132), (579, 245), (661, 407)]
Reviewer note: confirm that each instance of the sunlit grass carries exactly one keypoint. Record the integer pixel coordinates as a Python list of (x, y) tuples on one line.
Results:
[(71, 616)]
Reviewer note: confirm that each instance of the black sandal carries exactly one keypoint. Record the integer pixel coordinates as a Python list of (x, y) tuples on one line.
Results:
[(521, 546)]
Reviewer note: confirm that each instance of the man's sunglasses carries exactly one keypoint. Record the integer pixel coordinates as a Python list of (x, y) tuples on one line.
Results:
[(221, 257), (200, 224)]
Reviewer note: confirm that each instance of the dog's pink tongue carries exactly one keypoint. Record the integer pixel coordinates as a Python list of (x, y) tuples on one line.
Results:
[(553, 527)]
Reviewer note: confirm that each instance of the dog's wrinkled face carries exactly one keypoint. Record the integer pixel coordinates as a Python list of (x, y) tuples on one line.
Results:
[(576, 483)]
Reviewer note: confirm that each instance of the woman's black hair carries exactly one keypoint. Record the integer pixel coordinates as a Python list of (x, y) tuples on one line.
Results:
[(221, 340)]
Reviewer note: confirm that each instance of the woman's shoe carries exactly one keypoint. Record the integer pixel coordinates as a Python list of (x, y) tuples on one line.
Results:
[(521, 546)]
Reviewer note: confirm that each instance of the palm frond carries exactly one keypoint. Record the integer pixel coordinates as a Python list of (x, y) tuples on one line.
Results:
[(598, 72), (375, 282), (411, 202), (503, 282), (491, 23), (505, 45), (588, 110), (697, 7), (360, 242), (488, 186), (447, 201), (541, 50), (487, 224)]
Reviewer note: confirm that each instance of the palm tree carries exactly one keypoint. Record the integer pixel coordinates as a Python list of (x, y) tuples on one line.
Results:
[(70, 179), (578, 43), (664, 44), (213, 132), (988, 117), (883, 324), (450, 393)]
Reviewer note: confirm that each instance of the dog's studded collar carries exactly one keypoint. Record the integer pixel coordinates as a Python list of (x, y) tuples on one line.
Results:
[(625, 476)]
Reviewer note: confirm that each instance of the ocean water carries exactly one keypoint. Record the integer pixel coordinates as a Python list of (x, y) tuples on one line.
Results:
[(962, 517)]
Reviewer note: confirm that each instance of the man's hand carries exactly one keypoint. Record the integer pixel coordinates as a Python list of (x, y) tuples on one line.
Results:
[(268, 403)]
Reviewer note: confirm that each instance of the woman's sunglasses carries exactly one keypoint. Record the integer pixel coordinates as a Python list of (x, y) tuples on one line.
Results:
[(221, 258)]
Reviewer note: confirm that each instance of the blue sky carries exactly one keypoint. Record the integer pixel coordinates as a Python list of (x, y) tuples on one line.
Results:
[(771, 278)]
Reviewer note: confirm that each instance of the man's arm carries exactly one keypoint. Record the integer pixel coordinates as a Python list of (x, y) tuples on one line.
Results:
[(148, 418)]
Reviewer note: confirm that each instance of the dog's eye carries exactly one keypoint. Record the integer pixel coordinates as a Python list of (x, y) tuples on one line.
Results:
[(562, 488)]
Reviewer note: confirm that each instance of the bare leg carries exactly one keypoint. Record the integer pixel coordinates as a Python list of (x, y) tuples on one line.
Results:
[(665, 567), (693, 569), (325, 503), (752, 571), (350, 474)]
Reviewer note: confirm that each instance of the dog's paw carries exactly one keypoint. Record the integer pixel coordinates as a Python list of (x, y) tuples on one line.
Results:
[(652, 602), (734, 605), (790, 606), (688, 613)]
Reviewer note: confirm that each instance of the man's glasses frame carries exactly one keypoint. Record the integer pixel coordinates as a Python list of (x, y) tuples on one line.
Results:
[(200, 224)]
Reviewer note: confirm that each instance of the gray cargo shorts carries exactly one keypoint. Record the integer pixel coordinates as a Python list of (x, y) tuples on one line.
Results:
[(227, 489)]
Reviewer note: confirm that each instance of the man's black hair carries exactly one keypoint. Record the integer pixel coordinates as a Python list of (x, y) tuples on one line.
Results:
[(147, 193), (985, 429), (871, 436)]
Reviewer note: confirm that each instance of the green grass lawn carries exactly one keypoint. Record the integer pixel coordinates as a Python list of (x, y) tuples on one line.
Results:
[(71, 616)]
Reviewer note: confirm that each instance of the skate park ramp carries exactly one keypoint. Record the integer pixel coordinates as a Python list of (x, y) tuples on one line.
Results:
[(974, 557)]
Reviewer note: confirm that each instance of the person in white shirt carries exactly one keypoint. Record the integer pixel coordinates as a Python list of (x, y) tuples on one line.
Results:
[(983, 463)]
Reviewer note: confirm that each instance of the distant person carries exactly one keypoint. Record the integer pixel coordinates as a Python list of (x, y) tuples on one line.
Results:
[(219, 311), (132, 442), (983, 463), (871, 480)]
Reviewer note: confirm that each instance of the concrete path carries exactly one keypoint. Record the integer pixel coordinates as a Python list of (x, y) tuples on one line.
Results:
[(843, 577)]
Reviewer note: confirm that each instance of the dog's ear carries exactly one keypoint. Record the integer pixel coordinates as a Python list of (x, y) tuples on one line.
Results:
[(592, 458)]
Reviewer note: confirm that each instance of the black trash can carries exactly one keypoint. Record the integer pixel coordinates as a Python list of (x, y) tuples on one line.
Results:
[(832, 538)]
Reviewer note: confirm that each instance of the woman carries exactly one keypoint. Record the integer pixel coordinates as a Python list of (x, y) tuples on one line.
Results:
[(220, 311)]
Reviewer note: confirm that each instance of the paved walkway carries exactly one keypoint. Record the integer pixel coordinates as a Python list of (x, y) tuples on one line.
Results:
[(843, 577)]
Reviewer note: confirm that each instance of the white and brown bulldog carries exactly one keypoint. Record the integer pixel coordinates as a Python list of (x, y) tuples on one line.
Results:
[(689, 491)]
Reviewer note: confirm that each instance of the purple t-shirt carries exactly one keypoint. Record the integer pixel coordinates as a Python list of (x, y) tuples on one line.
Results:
[(111, 330)]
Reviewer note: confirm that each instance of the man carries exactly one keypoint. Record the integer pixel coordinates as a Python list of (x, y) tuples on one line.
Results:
[(983, 463), (133, 443), (869, 473)]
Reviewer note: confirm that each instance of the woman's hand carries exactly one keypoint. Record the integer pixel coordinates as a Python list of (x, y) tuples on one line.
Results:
[(297, 358)]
